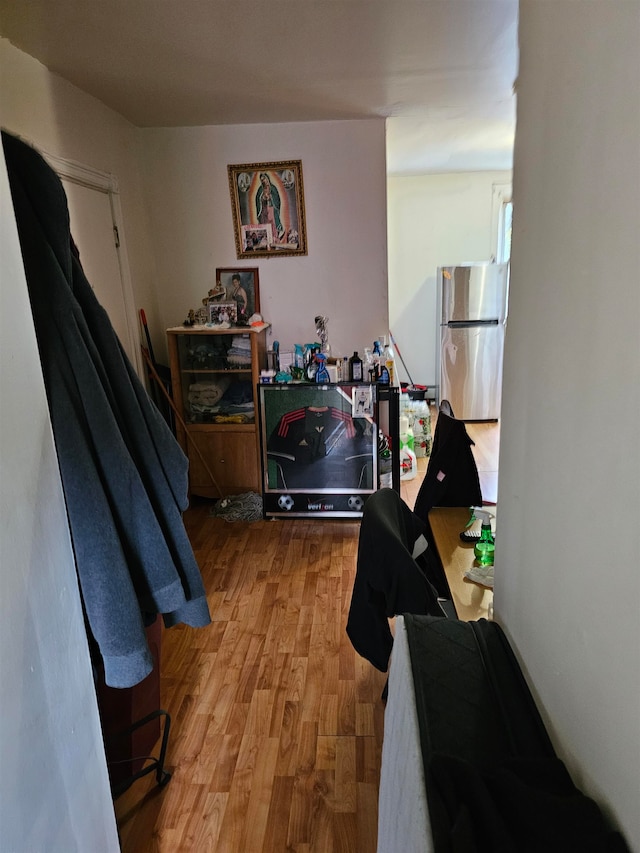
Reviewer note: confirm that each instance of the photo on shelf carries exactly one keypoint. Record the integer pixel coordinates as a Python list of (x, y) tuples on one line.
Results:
[(223, 314), (240, 285)]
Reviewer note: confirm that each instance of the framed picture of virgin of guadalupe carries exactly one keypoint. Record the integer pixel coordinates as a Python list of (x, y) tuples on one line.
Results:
[(267, 201)]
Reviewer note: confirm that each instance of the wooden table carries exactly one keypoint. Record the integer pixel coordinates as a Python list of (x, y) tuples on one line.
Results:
[(471, 600)]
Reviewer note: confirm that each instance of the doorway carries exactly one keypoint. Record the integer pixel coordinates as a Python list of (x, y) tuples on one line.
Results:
[(96, 226)]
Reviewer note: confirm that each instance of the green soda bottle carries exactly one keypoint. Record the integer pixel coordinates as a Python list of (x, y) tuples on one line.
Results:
[(485, 546)]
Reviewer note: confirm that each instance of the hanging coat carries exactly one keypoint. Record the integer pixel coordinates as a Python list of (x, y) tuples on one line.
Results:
[(388, 578), (124, 476), (452, 474)]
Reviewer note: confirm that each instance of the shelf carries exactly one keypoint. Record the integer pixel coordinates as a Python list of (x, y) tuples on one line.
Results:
[(217, 370), (224, 427), (224, 457)]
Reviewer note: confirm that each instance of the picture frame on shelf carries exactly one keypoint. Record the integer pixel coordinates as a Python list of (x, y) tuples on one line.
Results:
[(241, 286), (267, 201), (223, 314)]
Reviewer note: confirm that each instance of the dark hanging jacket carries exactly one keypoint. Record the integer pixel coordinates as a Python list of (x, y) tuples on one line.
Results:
[(388, 579), (452, 477), (124, 476)]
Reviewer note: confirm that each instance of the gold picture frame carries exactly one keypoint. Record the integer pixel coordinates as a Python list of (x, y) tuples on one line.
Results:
[(267, 200)]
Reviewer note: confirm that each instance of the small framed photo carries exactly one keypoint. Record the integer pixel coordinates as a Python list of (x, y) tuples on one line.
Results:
[(256, 237), (362, 401), (223, 314), (241, 287), (267, 201)]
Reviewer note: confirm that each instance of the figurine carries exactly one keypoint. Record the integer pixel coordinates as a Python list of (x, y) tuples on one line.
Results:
[(323, 334), (218, 293)]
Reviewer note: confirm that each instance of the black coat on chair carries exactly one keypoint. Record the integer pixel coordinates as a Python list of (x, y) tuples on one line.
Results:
[(388, 580), (452, 475), (451, 480)]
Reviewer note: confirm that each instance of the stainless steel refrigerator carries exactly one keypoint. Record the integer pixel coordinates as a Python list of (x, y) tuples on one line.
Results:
[(472, 312)]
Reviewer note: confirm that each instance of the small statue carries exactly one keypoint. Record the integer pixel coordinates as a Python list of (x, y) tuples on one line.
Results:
[(323, 334), (218, 293)]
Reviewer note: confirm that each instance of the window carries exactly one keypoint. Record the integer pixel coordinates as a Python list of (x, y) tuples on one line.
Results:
[(504, 235), (502, 215)]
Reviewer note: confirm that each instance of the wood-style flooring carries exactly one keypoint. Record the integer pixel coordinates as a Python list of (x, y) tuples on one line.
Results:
[(277, 723)]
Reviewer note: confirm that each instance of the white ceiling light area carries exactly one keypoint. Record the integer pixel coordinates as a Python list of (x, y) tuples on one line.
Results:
[(441, 71)]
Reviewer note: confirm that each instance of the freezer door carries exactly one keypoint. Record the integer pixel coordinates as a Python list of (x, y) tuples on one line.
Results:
[(471, 370), (473, 292)]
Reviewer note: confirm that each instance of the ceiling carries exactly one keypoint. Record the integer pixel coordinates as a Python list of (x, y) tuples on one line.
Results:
[(441, 71)]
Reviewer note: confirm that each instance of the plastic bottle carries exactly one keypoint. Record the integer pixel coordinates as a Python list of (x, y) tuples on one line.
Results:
[(378, 364), (485, 547), (355, 368), (389, 362), (408, 462), (384, 459), (322, 374), (420, 421), (369, 366)]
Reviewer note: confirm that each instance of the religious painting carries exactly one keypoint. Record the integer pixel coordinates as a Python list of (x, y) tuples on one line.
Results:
[(267, 201)]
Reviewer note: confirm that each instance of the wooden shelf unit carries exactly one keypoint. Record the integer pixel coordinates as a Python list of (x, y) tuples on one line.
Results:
[(230, 449)]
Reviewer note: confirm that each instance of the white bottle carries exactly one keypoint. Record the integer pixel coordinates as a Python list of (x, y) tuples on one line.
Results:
[(389, 361), (408, 462)]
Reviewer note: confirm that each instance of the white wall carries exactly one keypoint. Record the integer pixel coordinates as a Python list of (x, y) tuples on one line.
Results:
[(51, 743), (344, 275), (54, 788), (434, 220), (567, 566), (64, 121)]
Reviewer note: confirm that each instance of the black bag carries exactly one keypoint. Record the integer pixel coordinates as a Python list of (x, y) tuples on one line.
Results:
[(494, 783)]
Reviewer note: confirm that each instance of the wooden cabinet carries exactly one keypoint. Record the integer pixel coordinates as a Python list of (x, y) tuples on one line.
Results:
[(215, 375), (120, 709)]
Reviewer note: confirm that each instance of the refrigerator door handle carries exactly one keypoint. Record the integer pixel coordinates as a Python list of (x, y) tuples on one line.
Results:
[(470, 324)]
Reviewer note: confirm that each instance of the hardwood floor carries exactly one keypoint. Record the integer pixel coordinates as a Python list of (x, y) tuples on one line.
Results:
[(277, 723)]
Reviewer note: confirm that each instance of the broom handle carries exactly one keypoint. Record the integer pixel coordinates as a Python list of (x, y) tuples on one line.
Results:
[(154, 373), (395, 346), (143, 320)]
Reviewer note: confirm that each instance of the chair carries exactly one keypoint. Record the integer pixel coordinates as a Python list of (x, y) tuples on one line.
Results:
[(452, 477), (389, 576)]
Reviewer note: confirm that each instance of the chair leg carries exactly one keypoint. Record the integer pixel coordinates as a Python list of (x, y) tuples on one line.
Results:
[(157, 764)]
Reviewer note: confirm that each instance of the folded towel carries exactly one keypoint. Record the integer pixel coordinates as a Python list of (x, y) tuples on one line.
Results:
[(206, 395)]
